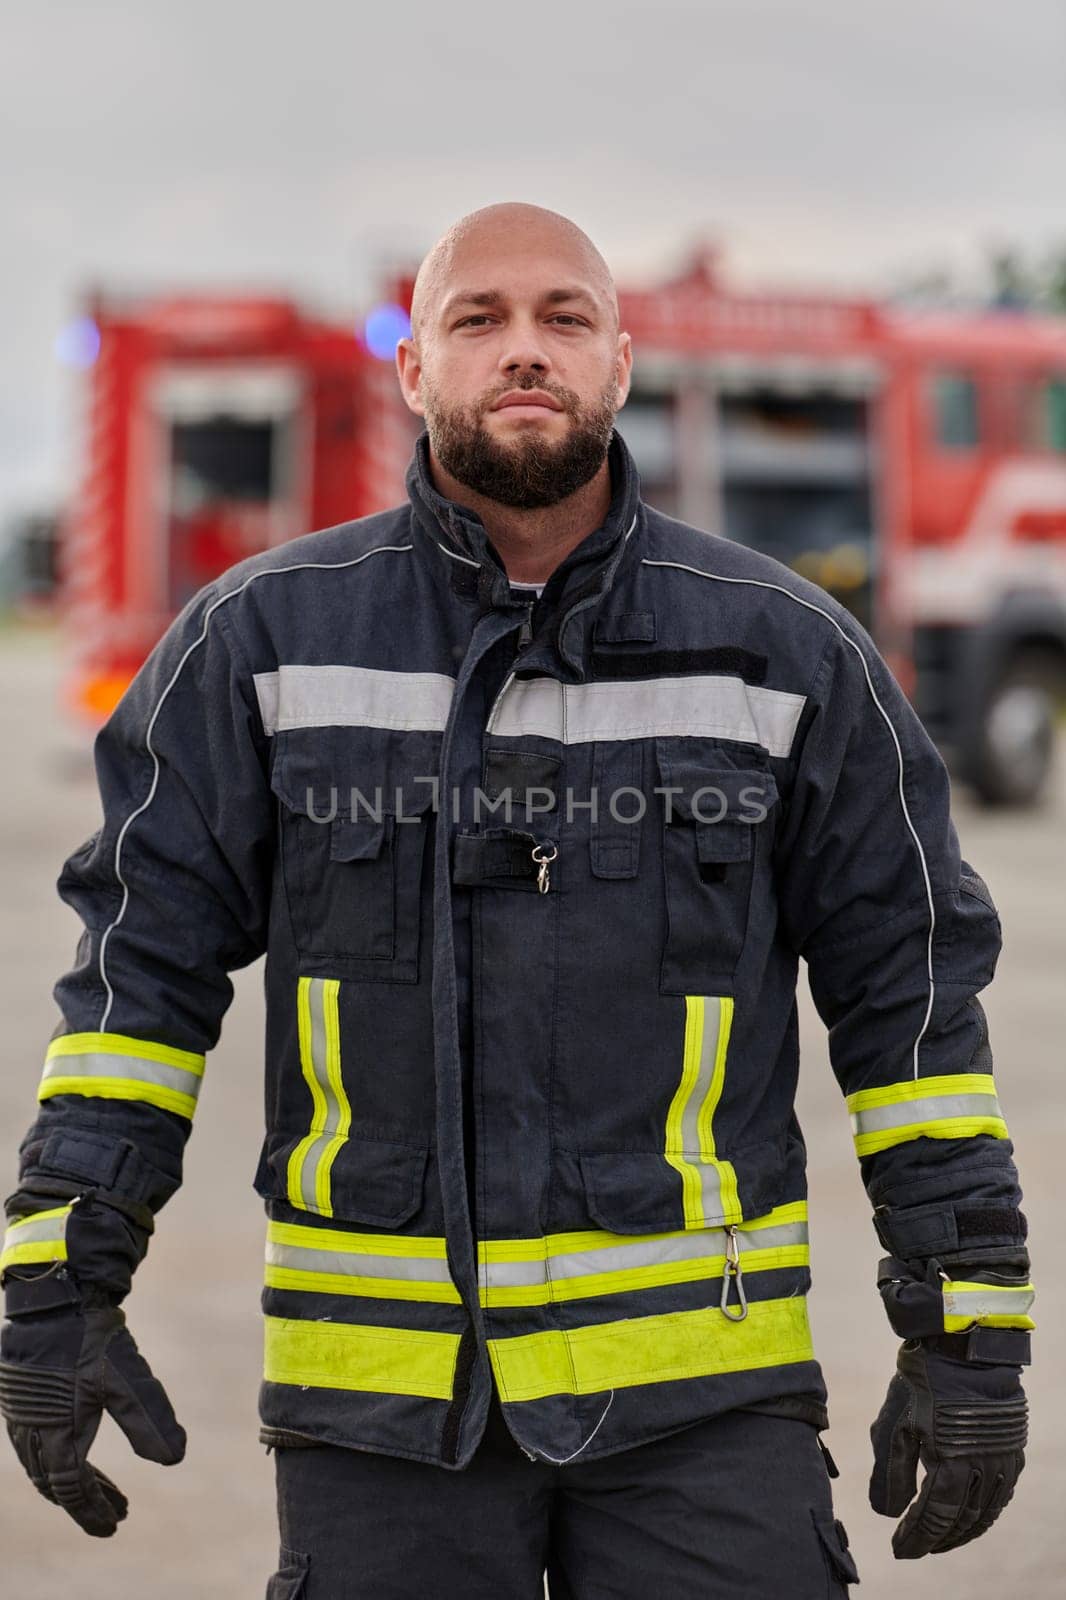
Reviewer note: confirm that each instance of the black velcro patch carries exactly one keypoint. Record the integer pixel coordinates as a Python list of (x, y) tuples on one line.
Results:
[(729, 659)]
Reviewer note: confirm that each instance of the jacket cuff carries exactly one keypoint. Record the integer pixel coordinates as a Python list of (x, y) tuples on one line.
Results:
[(996, 1346), (936, 1230), (84, 1239)]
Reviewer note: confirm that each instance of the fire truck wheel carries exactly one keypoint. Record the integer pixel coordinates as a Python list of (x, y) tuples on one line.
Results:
[(1015, 749)]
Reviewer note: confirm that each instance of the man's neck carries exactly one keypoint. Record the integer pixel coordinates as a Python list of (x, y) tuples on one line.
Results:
[(531, 544)]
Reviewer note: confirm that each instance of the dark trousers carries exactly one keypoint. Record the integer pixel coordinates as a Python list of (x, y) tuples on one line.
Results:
[(738, 1506)]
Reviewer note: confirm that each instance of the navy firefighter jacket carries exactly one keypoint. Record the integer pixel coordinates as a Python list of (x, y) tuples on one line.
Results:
[(532, 878)]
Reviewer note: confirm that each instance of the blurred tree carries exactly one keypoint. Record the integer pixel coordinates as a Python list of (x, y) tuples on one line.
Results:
[(1007, 279)]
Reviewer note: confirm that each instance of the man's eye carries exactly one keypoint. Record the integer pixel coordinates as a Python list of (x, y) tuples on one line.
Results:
[(565, 316), (480, 316)]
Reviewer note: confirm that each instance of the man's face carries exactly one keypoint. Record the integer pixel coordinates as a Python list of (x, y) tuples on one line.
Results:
[(514, 321)]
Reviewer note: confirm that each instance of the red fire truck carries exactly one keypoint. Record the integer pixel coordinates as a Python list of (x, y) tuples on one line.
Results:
[(912, 464)]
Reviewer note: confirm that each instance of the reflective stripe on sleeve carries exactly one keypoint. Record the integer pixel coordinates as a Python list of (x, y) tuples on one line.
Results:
[(343, 1355), (320, 1059), (697, 706), (993, 1305), (42, 1236), (709, 1186), (676, 1344), (113, 1066), (953, 1107)]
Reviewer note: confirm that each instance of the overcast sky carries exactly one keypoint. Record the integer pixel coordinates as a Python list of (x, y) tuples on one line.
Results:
[(823, 142)]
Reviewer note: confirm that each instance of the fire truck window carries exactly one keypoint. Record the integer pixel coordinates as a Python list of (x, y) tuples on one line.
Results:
[(227, 481), (954, 404), (1055, 415), (221, 458), (797, 484), (648, 426)]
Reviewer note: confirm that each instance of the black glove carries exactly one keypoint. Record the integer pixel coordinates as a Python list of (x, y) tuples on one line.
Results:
[(967, 1423), (60, 1370)]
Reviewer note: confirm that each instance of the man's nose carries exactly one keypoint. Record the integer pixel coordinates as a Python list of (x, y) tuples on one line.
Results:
[(524, 351)]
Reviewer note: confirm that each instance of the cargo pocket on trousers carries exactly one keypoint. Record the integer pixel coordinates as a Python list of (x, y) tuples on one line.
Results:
[(290, 1580), (840, 1563)]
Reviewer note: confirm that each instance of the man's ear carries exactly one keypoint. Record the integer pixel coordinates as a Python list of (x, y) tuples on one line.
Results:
[(624, 367), (409, 372)]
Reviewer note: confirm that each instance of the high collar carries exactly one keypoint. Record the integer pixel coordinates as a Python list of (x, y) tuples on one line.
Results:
[(454, 536)]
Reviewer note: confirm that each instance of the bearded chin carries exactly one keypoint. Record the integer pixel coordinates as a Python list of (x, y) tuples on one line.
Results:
[(530, 471)]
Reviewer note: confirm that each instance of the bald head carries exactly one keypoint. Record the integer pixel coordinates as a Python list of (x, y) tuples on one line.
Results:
[(466, 251)]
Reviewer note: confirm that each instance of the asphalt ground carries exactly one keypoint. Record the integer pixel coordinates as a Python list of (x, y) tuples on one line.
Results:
[(207, 1527)]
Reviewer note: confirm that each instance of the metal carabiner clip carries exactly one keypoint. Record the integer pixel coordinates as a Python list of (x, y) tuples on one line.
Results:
[(733, 1272), (542, 862)]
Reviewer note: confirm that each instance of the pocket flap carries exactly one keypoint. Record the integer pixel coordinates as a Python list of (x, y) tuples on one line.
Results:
[(356, 838), (375, 1181), (633, 1192), (715, 795), (723, 841), (834, 1539)]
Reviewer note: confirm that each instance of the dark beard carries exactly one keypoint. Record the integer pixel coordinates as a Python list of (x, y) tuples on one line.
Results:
[(530, 472)]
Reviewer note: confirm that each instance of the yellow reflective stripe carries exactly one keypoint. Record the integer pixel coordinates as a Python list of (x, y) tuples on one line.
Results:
[(794, 1211), (953, 1106), (380, 1265), (708, 1185), (318, 1026), (524, 1272), (943, 1128), (646, 1277), (121, 1089), (569, 1266), (41, 1236), (115, 1066), (380, 1244), (341, 1355), (333, 1077), (887, 1094), (318, 1114), (992, 1305), (315, 1282), (660, 1349), (561, 1244), (122, 1044)]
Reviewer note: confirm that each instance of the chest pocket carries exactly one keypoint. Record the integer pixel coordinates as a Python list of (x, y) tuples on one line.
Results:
[(716, 822), (353, 850)]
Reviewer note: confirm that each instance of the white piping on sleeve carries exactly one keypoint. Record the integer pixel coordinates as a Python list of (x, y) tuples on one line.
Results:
[(761, 583), (267, 572)]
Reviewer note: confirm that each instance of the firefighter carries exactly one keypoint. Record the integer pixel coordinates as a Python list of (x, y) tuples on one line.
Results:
[(533, 797)]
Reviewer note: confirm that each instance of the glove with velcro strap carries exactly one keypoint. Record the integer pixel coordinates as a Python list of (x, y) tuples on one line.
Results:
[(956, 1402), (66, 1355), (966, 1421)]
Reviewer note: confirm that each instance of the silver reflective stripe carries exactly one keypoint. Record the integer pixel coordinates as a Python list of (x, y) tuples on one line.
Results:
[(319, 1033), (902, 1113), (987, 1301), (692, 1245), (41, 1236), (709, 1184), (135, 1069), (345, 697), (362, 1264), (697, 706)]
